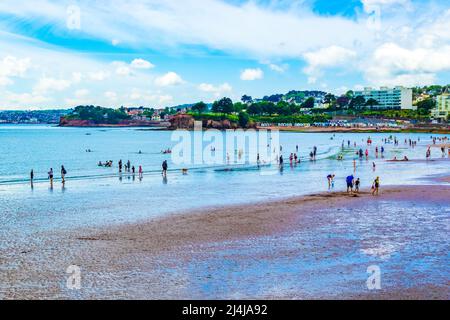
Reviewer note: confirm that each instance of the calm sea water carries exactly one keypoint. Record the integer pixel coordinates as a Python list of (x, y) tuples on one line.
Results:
[(96, 196)]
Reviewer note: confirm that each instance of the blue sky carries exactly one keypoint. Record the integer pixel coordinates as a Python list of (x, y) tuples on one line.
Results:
[(58, 54)]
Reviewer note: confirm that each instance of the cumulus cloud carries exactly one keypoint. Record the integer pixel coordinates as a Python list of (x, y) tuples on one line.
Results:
[(252, 74), (169, 79), (392, 64), (141, 64), (369, 5), (123, 71), (110, 95), (332, 56), (11, 66), (99, 75), (278, 68), (46, 84), (81, 93), (158, 100), (216, 90), (24, 100)]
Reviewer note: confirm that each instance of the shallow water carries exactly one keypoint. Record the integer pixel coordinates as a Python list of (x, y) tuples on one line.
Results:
[(97, 196)]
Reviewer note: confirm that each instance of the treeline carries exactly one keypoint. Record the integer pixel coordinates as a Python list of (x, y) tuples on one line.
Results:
[(98, 114)]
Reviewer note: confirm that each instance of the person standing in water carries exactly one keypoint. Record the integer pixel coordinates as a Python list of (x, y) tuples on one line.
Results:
[(31, 177), (141, 173), (120, 165), (376, 186), (164, 168), (50, 176), (63, 174)]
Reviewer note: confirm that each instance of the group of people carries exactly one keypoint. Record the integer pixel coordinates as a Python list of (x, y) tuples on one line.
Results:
[(51, 176), (354, 184)]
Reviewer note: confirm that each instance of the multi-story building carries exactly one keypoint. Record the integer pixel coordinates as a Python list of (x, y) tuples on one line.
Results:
[(442, 110), (389, 98)]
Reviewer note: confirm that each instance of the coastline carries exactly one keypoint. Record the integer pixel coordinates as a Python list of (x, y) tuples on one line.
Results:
[(151, 258), (357, 130)]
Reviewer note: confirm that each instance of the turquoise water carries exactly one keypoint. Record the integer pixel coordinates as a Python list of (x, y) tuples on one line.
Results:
[(100, 196)]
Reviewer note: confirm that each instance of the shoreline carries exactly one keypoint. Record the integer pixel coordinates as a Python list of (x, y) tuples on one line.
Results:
[(153, 255), (282, 129)]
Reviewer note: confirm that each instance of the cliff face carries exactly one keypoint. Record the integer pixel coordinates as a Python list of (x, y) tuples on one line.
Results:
[(184, 121), (64, 122)]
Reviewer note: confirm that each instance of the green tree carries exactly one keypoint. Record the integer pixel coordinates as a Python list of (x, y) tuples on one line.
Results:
[(199, 107), (357, 102), (254, 109), (239, 106), (246, 99), (309, 103), (371, 102), (244, 119), (424, 107)]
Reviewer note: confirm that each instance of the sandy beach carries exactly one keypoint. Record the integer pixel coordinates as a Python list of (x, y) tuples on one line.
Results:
[(182, 256)]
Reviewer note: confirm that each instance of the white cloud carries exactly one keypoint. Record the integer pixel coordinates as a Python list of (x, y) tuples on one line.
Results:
[(169, 79), (46, 84), (252, 74), (123, 71), (110, 95), (278, 68), (24, 100), (332, 56), (81, 93), (216, 90), (99, 75), (11, 66), (369, 5), (252, 28), (142, 98), (141, 64), (392, 64)]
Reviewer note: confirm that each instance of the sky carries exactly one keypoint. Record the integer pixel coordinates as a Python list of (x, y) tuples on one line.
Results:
[(157, 53)]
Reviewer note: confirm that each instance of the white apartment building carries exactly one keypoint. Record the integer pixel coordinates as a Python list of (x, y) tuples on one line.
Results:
[(442, 109), (389, 98)]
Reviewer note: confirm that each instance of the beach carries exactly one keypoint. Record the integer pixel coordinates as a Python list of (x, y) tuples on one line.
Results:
[(176, 257), (221, 231)]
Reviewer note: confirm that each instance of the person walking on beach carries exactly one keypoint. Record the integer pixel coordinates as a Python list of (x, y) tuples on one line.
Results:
[(141, 173), (128, 165), (50, 176), (63, 174), (350, 179), (281, 161), (120, 165), (376, 186), (31, 177), (330, 179), (164, 167), (357, 184)]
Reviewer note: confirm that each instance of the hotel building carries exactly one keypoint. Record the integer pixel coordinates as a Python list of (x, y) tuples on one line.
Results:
[(389, 98)]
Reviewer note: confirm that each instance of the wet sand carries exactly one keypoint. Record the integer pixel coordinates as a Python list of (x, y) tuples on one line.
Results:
[(311, 247)]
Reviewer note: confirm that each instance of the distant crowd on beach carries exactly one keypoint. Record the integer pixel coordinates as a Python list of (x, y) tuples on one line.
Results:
[(353, 184)]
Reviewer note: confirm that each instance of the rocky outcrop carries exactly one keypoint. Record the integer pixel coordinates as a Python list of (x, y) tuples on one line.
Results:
[(182, 121), (64, 122)]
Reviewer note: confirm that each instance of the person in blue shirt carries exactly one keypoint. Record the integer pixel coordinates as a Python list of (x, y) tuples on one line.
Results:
[(350, 180)]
